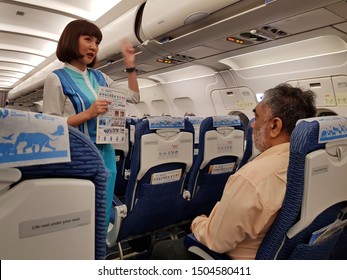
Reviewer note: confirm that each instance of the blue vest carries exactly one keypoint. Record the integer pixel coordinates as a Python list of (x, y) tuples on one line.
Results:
[(79, 98)]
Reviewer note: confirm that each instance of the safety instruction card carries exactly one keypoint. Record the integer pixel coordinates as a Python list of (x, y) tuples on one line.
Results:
[(111, 125)]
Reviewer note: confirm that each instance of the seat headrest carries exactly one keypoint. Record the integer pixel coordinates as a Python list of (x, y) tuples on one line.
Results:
[(331, 128), (226, 121), (28, 138), (166, 123), (8, 176)]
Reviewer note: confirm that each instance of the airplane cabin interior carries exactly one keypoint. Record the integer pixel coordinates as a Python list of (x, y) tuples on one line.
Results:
[(204, 58)]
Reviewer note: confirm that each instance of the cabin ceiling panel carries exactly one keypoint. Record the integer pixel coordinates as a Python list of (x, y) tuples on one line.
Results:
[(342, 27), (26, 44), (339, 8), (147, 67), (21, 68), (30, 21), (146, 62), (17, 57), (91, 9), (184, 74), (7, 79), (224, 45), (308, 21), (214, 61), (310, 48), (11, 74), (200, 52)]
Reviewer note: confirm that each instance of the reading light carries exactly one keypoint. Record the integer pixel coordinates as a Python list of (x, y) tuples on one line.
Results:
[(164, 60), (236, 40)]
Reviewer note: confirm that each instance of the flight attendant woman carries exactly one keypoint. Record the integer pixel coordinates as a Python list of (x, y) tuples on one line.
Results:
[(72, 90)]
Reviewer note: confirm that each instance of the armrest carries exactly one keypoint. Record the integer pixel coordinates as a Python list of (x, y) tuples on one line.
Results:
[(120, 212), (194, 246)]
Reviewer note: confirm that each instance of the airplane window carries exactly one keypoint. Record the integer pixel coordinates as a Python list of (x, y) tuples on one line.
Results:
[(322, 112), (259, 96), (186, 114)]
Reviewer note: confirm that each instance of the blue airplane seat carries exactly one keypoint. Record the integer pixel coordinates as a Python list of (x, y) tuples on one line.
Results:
[(221, 142), (162, 156), (123, 155), (86, 163), (317, 160)]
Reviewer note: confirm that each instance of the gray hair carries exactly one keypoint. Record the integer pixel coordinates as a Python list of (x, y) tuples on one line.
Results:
[(290, 104)]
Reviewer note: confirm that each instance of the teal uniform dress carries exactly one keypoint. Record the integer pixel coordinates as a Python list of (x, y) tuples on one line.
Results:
[(75, 87)]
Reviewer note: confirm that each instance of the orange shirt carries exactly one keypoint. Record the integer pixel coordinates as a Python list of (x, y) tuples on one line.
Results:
[(249, 205)]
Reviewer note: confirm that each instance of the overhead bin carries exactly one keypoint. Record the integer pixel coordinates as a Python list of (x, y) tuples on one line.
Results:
[(33, 83), (162, 16), (122, 27)]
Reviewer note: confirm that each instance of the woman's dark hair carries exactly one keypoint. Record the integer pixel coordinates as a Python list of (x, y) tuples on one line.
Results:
[(67, 48)]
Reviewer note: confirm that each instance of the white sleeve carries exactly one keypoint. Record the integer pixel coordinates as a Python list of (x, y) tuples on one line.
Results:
[(55, 101), (132, 96)]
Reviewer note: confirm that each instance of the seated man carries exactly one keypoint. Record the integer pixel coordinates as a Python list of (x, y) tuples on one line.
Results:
[(254, 194)]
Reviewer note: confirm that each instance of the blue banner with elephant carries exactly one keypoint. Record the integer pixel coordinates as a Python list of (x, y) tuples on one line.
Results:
[(28, 138), (331, 128)]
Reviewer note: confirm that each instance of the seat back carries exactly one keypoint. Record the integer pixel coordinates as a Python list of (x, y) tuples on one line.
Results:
[(162, 156), (316, 193), (86, 163), (39, 222), (250, 150), (50, 194), (221, 142)]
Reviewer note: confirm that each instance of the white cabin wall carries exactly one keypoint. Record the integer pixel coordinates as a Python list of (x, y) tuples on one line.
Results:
[(301, 77), (155, 101), (193, 95), (179, 91), (232, 98), (146, 86)]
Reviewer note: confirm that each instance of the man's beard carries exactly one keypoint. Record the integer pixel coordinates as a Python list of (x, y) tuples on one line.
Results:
[(259, 139)]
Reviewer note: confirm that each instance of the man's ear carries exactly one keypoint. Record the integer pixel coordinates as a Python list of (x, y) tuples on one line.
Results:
[(276, 127)]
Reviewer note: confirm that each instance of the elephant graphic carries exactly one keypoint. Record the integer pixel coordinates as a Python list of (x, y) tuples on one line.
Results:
[(3, 113), (7, 149), (33, 139)]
